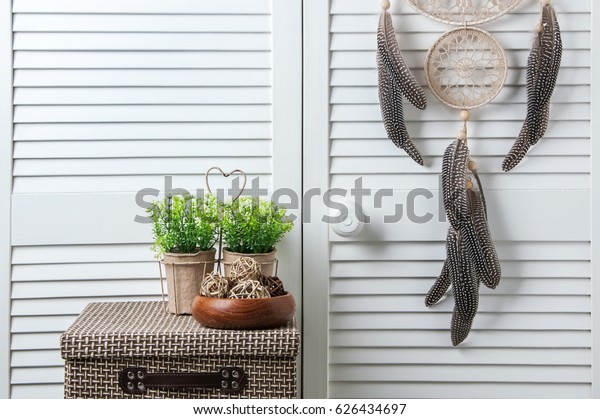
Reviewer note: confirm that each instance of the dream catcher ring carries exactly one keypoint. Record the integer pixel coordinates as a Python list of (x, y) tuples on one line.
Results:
[(466, 68), (463, 12)]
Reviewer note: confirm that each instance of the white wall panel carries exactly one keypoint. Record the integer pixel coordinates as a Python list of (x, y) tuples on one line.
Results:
[(532, 337)]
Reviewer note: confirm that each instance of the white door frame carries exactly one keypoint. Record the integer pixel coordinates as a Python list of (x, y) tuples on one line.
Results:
[(287, 132), (6, 136), (316, 177), (595, 191)]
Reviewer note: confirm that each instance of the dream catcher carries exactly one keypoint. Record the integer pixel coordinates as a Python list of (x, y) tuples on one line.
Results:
[(465, 69)]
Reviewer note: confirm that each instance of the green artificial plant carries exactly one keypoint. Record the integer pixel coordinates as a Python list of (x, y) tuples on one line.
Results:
[(252, 225), (184, 223)]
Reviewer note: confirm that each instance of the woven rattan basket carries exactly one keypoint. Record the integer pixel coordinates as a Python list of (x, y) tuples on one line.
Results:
[(115, 345)]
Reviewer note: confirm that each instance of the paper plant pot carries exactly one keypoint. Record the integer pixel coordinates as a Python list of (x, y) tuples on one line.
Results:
[(267, 261), (184, 272)]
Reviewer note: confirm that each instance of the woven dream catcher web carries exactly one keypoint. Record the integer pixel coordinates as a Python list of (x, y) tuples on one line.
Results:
[(466, 68)]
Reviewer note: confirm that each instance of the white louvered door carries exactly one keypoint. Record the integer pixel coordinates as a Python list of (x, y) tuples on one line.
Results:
[(109, 97), (533, 335)]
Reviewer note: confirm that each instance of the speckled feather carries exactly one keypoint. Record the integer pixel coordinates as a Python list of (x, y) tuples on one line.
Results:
[(463, 280), (392, 113), (439, 287), (459, 328), (480, 247), (454, 180), (543, 66), (392, 60)]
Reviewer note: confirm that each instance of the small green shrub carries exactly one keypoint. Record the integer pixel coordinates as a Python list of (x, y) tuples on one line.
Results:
[(184, 224), (254, 226)]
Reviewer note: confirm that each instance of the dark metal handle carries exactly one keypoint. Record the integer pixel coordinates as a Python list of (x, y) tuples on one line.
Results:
[(138, 380)]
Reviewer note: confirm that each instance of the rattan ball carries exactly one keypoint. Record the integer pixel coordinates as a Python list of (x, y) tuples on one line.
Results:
[(248, 289), (273, 284), (214, 285), (244, 269)]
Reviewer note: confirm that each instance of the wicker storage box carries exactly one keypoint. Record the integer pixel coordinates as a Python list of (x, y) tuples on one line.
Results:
[(136, 350)]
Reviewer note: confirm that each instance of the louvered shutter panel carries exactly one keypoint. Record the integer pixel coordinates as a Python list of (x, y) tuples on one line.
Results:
[(110, 96), (532, 336)]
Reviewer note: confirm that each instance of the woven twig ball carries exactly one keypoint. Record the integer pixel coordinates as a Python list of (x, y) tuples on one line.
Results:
[(214, 285), (273, 284), (248, 289), (244, 269)]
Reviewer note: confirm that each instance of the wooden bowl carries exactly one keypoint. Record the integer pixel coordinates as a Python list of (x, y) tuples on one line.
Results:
[(251, 313)]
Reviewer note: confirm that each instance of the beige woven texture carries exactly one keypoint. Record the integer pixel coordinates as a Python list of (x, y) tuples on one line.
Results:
[(463, 12), (108, 337), (466, 68)]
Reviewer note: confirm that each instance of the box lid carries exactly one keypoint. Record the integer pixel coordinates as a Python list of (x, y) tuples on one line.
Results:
[(143, 329)]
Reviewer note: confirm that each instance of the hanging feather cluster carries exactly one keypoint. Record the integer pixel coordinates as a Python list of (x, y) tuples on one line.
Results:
[(543, 65), (395, 82), (471, 258)]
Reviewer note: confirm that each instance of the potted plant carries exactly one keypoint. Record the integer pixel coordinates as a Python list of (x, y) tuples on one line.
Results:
[(185, 230), (252, 227)]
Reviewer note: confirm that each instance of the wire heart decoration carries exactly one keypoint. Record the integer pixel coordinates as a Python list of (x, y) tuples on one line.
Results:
[(240, 172)]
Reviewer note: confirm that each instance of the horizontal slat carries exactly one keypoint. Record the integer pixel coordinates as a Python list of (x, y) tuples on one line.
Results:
[(410, 269), (477, 129), (517, 216), (488, 303), (122, 149), (498, 181), (141, 95), (60, 289), (144, 77), (103, 184), (373, 7), (518, 286), (462, 373), (363, 78), (85, 271), (422, 41), (40, 375), (406, 21), (140, 59), (114, 41), (437, 147), (143, 113), (142, 6), (72, 219), (33, 341), (477, 339), (439, 112), (433, 320), (533, 164), (462, 356), (372, 251), (112, 22), (348, 390), (44, 358), (149, 166), (57, 306), (32, 324), (146, 131), (415, 59), (37, 391), (80, 254), (509, 94), (80, 213)]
